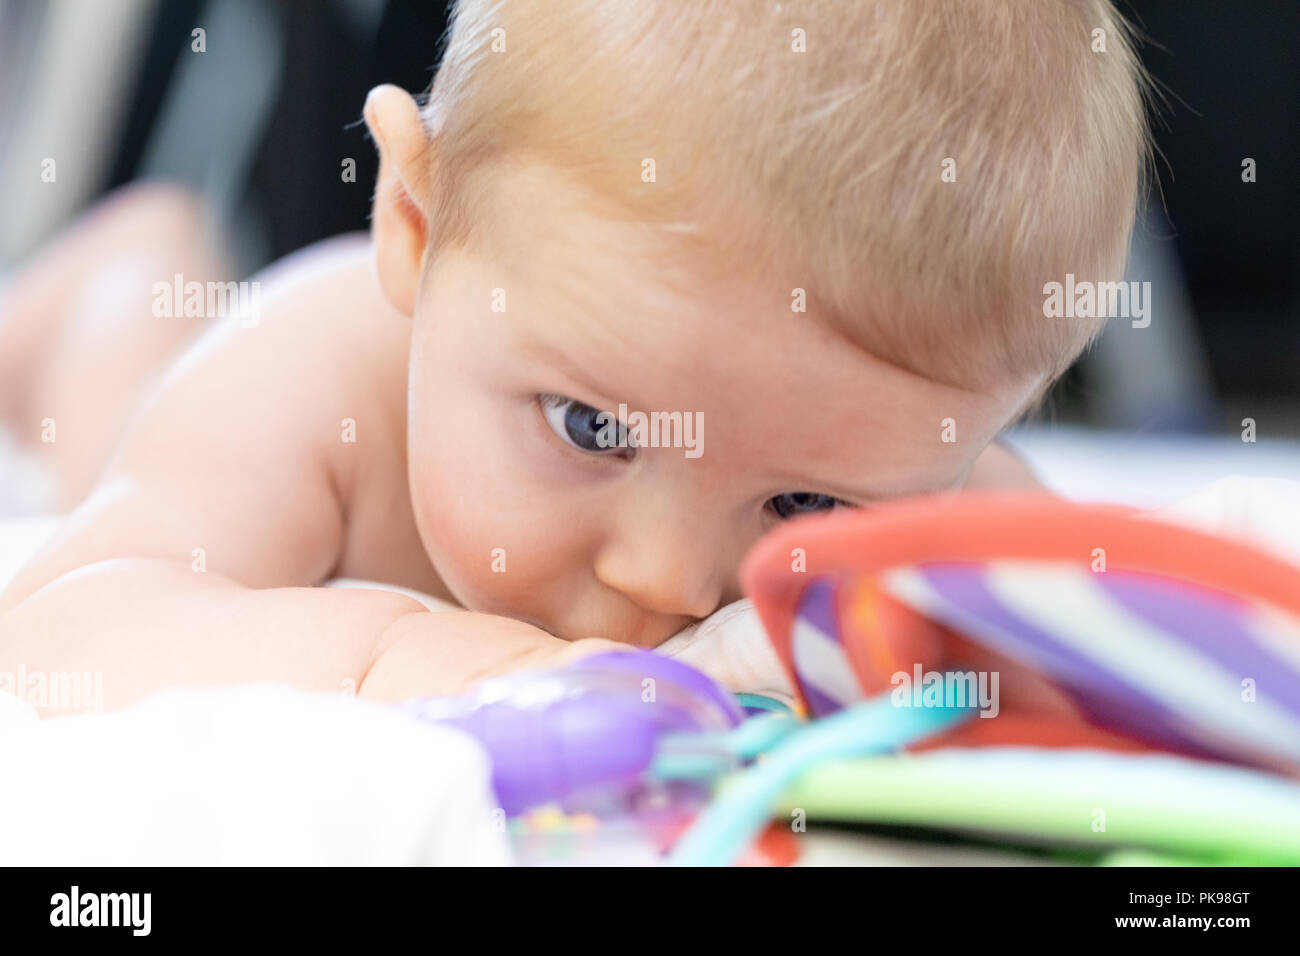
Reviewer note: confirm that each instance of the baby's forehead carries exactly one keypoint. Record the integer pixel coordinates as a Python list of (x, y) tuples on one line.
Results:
[(535, 218), (552, 235), (611, 293), (665, 298), (692, 291)]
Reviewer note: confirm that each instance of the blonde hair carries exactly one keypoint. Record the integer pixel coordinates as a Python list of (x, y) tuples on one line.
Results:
[(823, 166)]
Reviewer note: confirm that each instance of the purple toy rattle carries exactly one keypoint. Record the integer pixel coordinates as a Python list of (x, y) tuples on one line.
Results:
[(585, 731)]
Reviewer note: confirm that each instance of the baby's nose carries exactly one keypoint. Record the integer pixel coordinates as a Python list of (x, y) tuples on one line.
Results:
[(666, 571)]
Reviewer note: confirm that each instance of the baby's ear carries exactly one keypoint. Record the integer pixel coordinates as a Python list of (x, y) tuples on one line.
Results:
[(398, 227)]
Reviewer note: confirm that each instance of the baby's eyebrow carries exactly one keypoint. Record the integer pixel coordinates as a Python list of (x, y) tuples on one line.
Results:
[(600, 397)]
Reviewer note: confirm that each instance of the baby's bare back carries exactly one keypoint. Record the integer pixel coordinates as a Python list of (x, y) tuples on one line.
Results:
[(274, 451)]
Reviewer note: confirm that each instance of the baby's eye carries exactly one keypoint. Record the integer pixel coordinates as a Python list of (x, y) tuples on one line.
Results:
[(584, 427), (794, 503)]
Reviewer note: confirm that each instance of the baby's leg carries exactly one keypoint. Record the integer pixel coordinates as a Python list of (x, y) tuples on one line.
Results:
[(79, 343)]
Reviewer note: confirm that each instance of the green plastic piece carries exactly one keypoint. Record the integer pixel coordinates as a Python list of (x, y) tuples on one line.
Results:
[(1164, 807)]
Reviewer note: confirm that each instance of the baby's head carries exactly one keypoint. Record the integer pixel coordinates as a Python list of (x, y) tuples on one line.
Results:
[(819, 231)]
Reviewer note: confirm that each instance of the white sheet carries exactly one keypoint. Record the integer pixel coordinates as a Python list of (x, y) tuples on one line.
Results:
[(254, 775)]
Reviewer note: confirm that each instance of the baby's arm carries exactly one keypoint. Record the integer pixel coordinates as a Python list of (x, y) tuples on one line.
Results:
[(146, 624)]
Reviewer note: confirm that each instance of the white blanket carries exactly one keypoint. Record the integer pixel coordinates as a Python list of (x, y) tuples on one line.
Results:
[(256, 775)]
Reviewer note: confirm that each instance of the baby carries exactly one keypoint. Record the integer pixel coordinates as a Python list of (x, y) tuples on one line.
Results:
[(822, 230)]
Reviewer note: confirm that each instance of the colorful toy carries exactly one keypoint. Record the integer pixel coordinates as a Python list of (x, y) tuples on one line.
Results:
[(1120, 637), (1082, 804), (727, 826), (585, 736), (1151, 636)]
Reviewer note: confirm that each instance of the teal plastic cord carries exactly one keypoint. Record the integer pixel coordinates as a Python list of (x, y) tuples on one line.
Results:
[(698, 756), (763, 702), (728, 825)]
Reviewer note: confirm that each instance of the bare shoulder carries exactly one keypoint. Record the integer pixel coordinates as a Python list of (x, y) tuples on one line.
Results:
[(329, 337), (345, 352), (353, 369), (327, 365), (317, 364), (261, 452)]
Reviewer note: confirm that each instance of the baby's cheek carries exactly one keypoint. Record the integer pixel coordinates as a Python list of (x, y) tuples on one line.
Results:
[(495, 549)]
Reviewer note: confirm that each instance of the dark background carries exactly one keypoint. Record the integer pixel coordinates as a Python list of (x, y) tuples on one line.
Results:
[(1230, 72)]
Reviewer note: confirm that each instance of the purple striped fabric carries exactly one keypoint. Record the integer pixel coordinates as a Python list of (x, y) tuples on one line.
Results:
[(1176, 631), (1211, 622), (1105, 696), (817, 607), (817, 610)]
